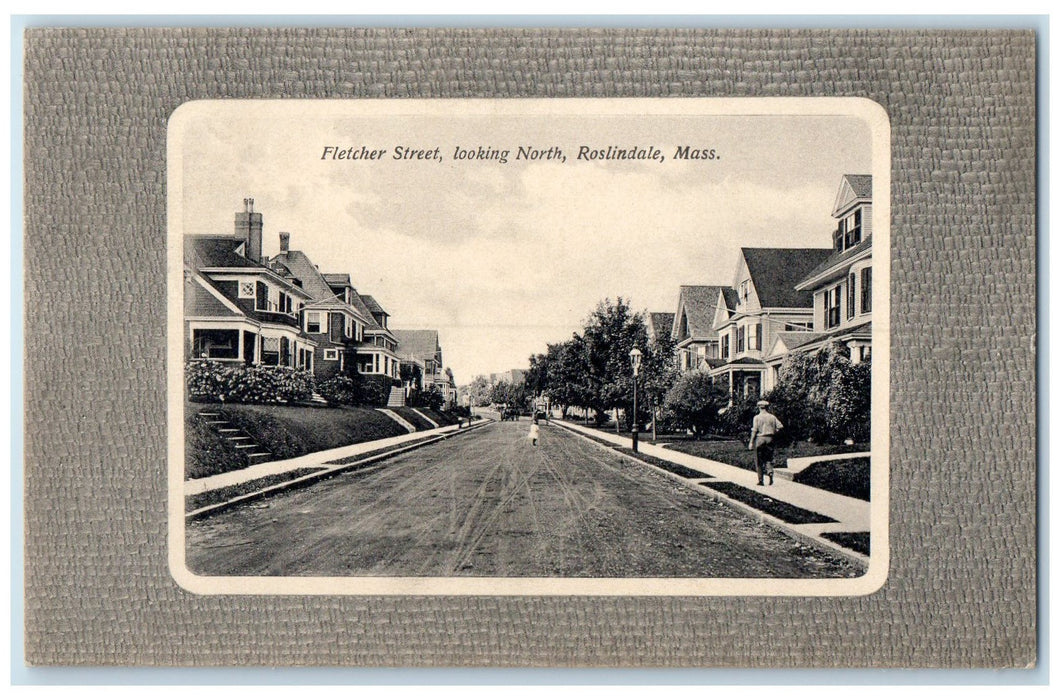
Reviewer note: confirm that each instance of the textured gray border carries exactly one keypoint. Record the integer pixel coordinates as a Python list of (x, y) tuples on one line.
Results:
[(962, 587)]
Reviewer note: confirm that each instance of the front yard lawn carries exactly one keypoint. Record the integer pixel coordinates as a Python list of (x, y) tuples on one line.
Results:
[(284, 431), (735, 452), (847, 477)]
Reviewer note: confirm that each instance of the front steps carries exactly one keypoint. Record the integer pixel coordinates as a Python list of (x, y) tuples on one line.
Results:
[(251, 451), (396, 398)]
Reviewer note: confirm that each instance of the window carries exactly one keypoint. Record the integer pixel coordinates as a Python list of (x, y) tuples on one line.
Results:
[(725, 346), (313, 323), (797, 326), (850, 295), (261, 301), (741, 339), (831, 307), (246, 290), (331, 354), (754, 342), (866, 290), (866, 352), (349, 327), (745, 291)]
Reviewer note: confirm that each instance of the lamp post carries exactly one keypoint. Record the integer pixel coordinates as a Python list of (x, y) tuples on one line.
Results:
[(634, 357)]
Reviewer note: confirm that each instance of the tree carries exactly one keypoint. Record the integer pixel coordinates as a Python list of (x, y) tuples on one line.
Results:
[(823, 396), (694, 402), (659, 372), (612, 331), (480, 389)]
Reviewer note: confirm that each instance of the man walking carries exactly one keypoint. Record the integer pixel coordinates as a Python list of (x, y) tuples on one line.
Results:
[(764, 428)]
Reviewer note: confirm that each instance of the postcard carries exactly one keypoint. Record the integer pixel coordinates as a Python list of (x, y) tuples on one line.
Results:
[(608, 347)]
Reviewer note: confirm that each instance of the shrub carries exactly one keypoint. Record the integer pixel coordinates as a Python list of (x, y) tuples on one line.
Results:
[(735, 421), (376, 389), (340, 391), (822, 397), (211, 382), (693, 403)]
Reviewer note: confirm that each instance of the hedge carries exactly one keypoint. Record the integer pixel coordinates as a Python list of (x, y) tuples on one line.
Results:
[(220, 382)]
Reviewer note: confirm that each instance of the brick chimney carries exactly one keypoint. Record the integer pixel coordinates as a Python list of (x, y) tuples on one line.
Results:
[(285, 241), (248, 228)]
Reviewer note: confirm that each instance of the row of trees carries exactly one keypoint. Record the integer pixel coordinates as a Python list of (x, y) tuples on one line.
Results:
[(821, 396), (592, 371)]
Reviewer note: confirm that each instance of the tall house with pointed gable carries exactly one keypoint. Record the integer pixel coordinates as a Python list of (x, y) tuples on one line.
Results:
[(330, 317), (763, 303), (237, 307), (841, 284), (697, 342), (378, 354)]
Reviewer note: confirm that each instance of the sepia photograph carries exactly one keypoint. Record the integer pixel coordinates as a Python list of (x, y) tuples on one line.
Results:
[(512, 347)]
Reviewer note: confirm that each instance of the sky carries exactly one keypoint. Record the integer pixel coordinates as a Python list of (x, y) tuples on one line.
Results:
[(504, 258)]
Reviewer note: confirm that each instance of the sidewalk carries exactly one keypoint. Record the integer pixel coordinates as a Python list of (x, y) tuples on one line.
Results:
[(850, 514), (193, 487)]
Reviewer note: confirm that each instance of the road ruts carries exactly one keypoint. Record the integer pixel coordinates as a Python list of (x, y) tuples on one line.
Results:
[(488, 503)]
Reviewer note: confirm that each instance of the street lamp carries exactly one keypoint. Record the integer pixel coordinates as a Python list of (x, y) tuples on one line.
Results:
[(634, 357)]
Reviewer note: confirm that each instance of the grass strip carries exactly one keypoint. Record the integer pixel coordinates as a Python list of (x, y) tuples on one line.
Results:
[(381, 450), (225, 493), (665, 465), (770, 506), (854, 541)]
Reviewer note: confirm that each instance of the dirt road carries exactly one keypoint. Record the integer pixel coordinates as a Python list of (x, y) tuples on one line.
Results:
[(489, 504)]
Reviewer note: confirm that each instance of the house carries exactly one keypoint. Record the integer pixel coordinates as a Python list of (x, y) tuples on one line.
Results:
[(692, 328), (237, 307), (659, 324), (333, 316), (761, 304), (421, 349), (841, 284), (511, 376)]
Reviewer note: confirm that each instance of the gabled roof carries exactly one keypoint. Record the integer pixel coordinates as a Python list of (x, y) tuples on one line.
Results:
[(357, 302), (303, 268), (216, 251), (660, 323), (775, 272), (337, 279), (245, 306), (698, 304), (851, 189), (372, 304), (794, 339), (834, 260), (732, 298), (202, 298), (417, 344)]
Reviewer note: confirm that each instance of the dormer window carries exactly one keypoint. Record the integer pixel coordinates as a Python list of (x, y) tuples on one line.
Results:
[(848, 234)]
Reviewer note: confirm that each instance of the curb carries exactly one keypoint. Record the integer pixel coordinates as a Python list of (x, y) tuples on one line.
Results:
[(325, 473), (850, 556)]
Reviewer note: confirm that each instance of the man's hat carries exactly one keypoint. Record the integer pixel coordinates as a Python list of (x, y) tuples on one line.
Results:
[(763, 403)]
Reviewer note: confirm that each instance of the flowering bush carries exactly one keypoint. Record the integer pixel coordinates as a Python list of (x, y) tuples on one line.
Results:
[(340, 391), (823, 397), (210, 381)]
